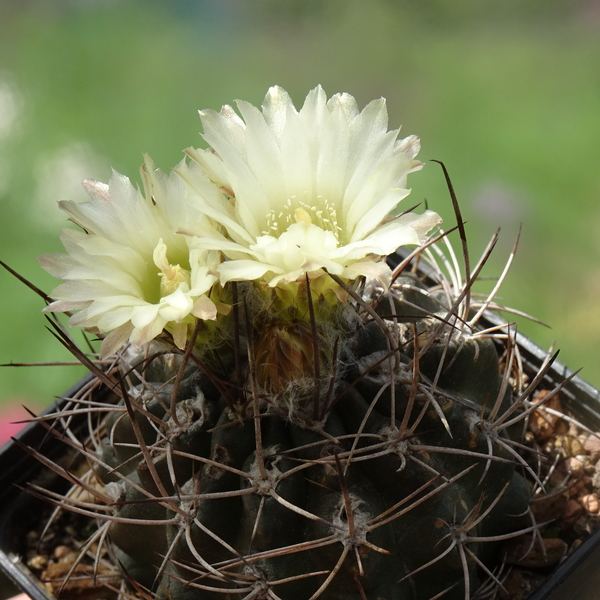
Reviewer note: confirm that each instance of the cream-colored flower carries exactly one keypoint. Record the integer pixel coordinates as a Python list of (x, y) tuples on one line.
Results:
[(128, 273), (306, 190)]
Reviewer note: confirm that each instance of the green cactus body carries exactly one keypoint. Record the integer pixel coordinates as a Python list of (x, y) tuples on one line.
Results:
[(389, 489)]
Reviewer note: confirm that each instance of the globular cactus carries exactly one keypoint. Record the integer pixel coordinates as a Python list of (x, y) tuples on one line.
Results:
[(292, 434), (396, 480)]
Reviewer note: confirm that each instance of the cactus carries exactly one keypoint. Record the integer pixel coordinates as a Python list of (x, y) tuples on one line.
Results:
[(316, 436), (393, 475)]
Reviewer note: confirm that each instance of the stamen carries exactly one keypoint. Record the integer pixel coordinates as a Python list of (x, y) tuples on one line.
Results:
[(322, 213), (171, 276)]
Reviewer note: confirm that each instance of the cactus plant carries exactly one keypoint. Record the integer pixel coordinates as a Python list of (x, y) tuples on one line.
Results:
[(325, 497), (292, 420)]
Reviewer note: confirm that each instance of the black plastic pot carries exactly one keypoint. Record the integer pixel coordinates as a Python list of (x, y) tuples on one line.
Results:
[(577, 578)]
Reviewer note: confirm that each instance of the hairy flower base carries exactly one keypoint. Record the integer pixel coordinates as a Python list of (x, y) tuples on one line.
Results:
[(284, 355)]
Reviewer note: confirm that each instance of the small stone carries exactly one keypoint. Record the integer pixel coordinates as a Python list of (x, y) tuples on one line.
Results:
[(590, 502), (590, 466), (542, 424), (61, 552), (571, 512), (38, 562), (575, 465), (569, 445), (592, 445)]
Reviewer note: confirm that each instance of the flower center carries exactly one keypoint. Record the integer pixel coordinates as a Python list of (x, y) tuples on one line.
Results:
[(171, 276), (322, 213)]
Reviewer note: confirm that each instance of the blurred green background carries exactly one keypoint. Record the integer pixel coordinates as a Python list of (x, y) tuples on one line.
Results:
[(506, 93)]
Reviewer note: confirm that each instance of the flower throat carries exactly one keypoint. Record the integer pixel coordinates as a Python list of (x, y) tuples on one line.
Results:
[(322, 213)]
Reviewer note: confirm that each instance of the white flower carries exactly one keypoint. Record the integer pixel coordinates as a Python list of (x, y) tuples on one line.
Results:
[(307, 190), (128, 273)]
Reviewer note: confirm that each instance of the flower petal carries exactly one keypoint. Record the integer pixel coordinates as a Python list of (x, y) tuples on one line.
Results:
[(242, 270)]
